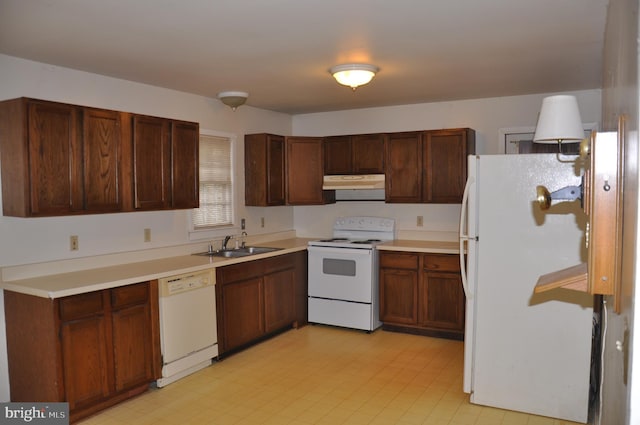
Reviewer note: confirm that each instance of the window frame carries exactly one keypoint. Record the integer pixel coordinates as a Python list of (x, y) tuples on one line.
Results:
[(225, 229), (508, 137)]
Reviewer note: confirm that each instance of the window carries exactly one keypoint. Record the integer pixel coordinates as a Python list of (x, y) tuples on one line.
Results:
[(216, 182), (518, 140)]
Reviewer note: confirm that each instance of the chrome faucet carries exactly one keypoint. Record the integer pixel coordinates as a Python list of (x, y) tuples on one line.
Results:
[(226, 241), (243, 236)]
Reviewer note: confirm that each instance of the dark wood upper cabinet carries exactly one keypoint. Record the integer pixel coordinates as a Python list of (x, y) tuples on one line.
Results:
[(54, 146), (403, 176), (264, 169), (151, 163), (165, 163), (337, 155), (428, 166), (185, 145), (368, 153), (445, 164), (304, 171), (102, 143), (357, 154), (61, 159)]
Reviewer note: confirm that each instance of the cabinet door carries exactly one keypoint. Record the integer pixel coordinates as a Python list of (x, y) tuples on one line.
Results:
[(85, 358), (304, 171), (404, 167), (55, 158), (185, 142), (368, 153), (264, 159), (102, 151), (279, 300), (132, 342), (151, 163), (398, 296), (302, 289), (275, 171), (442, 301), (242, 312), (337, 155), (445, 164)]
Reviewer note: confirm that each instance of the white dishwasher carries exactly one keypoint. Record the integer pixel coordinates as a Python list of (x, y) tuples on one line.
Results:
[(188, 330)]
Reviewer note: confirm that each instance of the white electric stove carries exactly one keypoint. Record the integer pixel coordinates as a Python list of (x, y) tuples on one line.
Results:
[(343, 273)]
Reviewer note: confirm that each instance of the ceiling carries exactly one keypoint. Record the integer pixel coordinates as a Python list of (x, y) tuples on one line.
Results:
[(279, 51)]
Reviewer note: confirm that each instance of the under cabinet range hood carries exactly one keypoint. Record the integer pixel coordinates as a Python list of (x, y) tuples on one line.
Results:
[(362, 187), (353, 182)]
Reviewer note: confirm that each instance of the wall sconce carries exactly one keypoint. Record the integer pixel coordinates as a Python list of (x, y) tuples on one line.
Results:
[(353, 74), (559, 121), (233, 99)]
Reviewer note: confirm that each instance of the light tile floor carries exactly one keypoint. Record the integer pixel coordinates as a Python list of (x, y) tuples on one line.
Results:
[(323, 375)]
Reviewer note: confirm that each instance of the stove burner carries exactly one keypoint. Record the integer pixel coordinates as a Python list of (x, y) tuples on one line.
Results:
[(367, 241), (335, 240)]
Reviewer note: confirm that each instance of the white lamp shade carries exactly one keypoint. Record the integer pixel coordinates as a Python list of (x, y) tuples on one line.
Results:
[(353, 74), (559, 121)]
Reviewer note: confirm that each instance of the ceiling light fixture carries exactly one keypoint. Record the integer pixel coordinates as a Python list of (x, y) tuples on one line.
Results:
[(353, 74), (233, 99), (559, 121)]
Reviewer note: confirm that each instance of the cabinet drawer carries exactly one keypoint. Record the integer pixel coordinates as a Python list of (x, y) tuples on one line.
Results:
[(442, 262), (281, 262), (130, 295), (399, 260), (235, 273), (82, 305)]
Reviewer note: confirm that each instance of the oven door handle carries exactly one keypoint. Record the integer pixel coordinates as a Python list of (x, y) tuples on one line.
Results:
[(339, 251)]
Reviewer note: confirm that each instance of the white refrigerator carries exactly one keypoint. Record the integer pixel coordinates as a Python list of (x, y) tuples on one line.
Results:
[(523, 351)]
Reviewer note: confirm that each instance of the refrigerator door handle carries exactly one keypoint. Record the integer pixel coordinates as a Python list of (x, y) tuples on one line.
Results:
[(464, 236), (465, 205)]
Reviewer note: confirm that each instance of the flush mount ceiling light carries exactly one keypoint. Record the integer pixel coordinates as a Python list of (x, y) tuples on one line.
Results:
[(559, 121), (233, 99), (353, 74)]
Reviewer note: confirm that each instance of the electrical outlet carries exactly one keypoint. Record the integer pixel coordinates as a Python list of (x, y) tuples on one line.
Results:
[(73, 242), (243, 224), (261, 221), (420, 221), (147, 235)]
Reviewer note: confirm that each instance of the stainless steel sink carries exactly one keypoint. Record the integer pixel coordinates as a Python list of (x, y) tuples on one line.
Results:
[(239, 252), (257, 249)]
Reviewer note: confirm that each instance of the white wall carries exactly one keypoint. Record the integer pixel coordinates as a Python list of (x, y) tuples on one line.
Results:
[(485, 116), (37, 240)]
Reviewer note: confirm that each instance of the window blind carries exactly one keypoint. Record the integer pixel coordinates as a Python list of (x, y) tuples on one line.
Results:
[(216, 186)]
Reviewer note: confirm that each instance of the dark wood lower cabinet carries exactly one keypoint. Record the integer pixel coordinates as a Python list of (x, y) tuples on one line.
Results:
[(91, 350), (258, 298), (243, 311), (279, 299), (422, 294), (84, 362)]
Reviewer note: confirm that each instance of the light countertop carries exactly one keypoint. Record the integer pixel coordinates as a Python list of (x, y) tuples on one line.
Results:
[(78, 282), (95, 279)]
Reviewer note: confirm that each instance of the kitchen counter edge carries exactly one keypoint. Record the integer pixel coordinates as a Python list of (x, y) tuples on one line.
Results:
[(79, 282), (429, 247)]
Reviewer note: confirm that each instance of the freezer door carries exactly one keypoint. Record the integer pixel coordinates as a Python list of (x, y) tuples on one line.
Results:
[(531, 352)]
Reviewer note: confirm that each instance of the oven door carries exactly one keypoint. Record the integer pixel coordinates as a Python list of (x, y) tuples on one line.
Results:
[(341, 273)]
